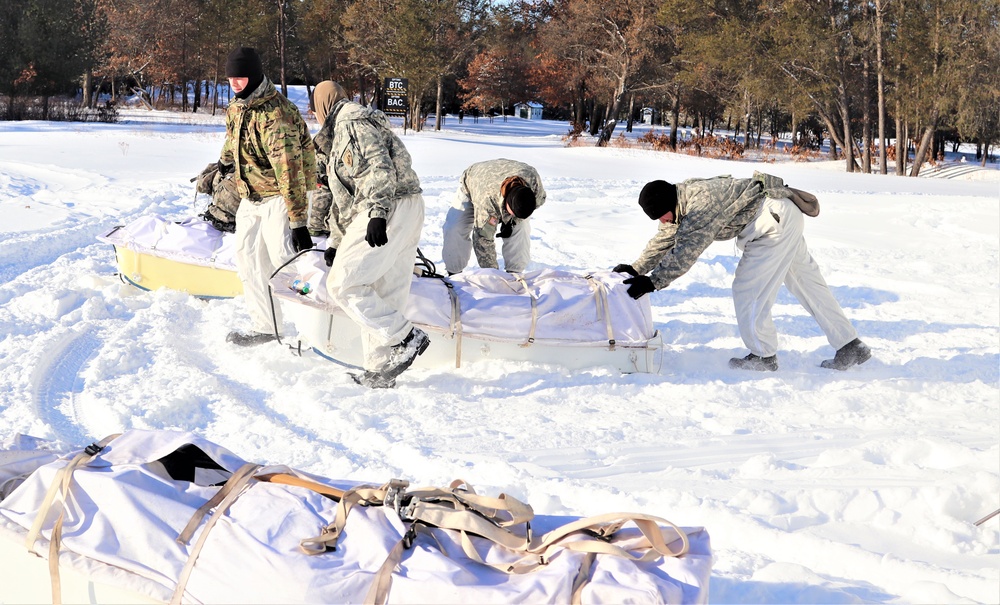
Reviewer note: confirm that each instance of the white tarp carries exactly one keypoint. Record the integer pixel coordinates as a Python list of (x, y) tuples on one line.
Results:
[(124, 512), (569, 308), (193, 240)]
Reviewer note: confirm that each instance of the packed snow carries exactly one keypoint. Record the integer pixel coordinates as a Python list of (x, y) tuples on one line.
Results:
[(816, 486)]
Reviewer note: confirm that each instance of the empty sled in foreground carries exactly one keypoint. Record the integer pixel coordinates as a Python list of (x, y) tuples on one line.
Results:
[(161, 516), (545, 316)]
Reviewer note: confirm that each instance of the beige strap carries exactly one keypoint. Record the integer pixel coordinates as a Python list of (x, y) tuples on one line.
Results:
[(601, 292), (327, 540), (456, 321), (655, 543), (459, 508), (583, 577), (378, 592), (61, 485), (230, 491), (534, 310)]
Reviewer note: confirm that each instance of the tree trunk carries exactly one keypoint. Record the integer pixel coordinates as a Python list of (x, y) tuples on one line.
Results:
[(611, 119), (675, 113), (925, 142), (440, 97), (866, 113), (631, 111), (880, 67), (88, 93), (281, 45)]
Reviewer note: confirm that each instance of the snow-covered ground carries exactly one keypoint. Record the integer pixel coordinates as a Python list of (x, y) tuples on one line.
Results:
[(816, 486)]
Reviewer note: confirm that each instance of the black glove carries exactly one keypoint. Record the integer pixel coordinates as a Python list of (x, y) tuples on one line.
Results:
[(639, 285), (376, 232), (623, 268), (225, 169), (301, 240), (506, 230), (329, 255)]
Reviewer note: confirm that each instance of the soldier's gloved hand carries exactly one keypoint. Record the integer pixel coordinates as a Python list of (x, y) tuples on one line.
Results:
[(376, 235), (506, 230), (225, 169), (623, 268), (639, 285), (301, 240), (329, 255)]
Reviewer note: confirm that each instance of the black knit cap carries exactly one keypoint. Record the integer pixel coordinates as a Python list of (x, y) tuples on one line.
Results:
[(658, 198), (521, 200), (244, 62)]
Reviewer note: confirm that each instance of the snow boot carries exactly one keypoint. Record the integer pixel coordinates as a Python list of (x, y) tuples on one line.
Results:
[(249, 340), (852, 354), (755, 362), (401, 356), (374, 380)]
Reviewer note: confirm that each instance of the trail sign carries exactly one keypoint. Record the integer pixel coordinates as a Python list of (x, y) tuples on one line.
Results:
[(394, 101)]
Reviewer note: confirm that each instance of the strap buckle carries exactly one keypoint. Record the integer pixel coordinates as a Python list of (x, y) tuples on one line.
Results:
[(93, 449), (396, 498)]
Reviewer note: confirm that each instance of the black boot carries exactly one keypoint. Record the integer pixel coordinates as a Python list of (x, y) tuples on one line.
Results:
[(249, 340), (755, 362), (402, 355), (852, 354), (374, 380)]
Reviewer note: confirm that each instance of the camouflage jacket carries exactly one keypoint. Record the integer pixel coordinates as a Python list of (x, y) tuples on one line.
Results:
[(368, 166), (481, 184), (269, 144), (708, 210)]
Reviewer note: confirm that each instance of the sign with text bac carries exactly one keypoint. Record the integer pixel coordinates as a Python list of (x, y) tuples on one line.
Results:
[(395, 102)]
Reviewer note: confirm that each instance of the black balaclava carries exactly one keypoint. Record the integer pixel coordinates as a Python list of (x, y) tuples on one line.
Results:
[(244, 62), (658, 198)]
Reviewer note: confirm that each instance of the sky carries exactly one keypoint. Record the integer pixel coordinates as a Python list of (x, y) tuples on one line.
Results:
[(814, 485)]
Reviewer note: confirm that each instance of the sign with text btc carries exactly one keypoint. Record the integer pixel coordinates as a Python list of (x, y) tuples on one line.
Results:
[(394, 101)]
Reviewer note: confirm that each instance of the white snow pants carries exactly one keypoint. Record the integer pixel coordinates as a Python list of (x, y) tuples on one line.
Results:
[(457, 250), (774, 252), (372, 285), (263, 242)]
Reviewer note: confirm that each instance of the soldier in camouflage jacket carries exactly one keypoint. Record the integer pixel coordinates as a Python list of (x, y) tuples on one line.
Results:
[(766, 218), (270, 153), (375, 223), (495, 195)]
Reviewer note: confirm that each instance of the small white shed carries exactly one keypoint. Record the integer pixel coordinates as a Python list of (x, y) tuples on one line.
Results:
[(529, 111)]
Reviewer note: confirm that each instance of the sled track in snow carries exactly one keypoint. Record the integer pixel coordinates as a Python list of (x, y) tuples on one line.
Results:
[(56, 381), (22, 252)]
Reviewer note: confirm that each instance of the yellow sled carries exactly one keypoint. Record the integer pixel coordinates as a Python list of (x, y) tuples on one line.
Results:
[(150, 272), (190, 256)]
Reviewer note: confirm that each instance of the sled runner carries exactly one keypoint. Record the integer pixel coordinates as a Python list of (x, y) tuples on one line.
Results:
[(169, 516), (190, 256), (547, 316)]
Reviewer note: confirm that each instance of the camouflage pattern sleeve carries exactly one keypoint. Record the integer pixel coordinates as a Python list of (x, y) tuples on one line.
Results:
[(694, 233), (232, 137), (660, 245), (710, 210), (483, 243), (293, 159), (323, 142), (374, 171)]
